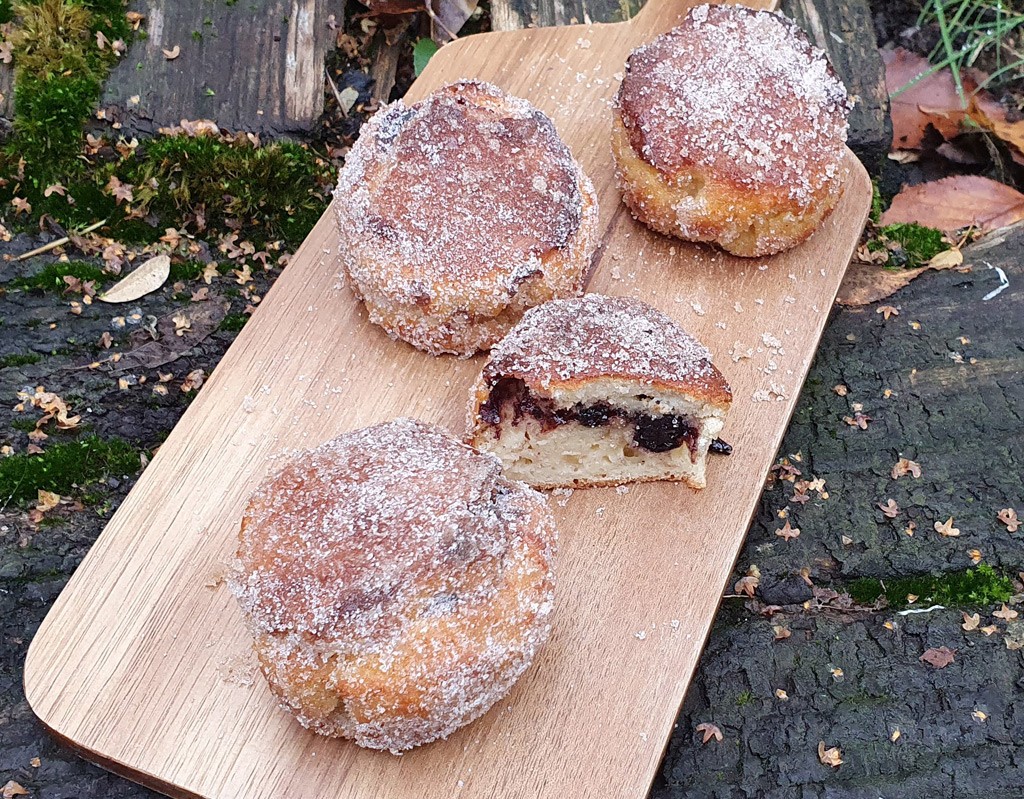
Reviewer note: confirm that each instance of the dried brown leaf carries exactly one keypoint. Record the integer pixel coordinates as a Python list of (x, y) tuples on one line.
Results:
[(1006, 614), (938, 657), (931, 101), (146, 278), (788, 532), (971, 621), (710, 731), (946, 528), (831, 756), (173, 53), (1008, 516), (957, 202)]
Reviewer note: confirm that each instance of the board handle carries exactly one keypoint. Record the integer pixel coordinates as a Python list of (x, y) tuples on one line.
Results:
[(658, 16)]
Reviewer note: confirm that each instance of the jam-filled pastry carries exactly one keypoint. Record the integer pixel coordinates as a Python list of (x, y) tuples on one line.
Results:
[(730, 128), (396, 584), (459, 212), (595, 391)]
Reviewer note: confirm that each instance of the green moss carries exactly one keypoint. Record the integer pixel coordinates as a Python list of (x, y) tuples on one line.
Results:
[(744, 698), (19, 359), (6, 11), (876, 202), (970, 588), (908, 245), (51, 277), (233, 322), (64, 467), (273, 192)]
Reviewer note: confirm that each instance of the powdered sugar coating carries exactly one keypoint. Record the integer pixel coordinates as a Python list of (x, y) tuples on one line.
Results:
[(450, 205), (565, 342), (395, 583), (741, 93)]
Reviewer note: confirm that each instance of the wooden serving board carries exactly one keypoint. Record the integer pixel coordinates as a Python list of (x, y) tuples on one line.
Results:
[(143, 664)]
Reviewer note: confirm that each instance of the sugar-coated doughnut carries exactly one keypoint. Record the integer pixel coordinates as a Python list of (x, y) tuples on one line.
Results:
[(459, 212), (395, 583), (730, 129), (597, 390)]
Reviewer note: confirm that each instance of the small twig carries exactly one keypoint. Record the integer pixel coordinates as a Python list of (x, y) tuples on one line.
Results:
[(436, 19), (58, 242), (337, 94)]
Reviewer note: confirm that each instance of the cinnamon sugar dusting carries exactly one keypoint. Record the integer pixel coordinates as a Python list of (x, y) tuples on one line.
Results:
[(460, 196), (403, 570), (597, 336), (741, 92)]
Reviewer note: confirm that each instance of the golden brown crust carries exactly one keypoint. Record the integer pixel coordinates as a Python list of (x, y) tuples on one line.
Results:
[(459, 212), (565, 344), (731, 128), (395, 583)]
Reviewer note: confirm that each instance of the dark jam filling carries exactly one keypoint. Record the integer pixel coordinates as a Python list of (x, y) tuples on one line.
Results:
[(652, 433)]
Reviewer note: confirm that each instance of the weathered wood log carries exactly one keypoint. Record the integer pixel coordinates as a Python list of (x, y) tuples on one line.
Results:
[(844, 29), (507, 15), (255, 66)]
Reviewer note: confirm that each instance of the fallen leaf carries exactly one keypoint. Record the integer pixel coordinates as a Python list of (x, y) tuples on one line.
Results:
[(895, 736), (946, 528), (123, 192), (788, 532), (890, 509), (841, 390), (938, 657), (971, 622), (886, 311), (21, 206), (181, 323), (193, 380), (347, 99), (992, 115), (975, 555), (866, 283), (989, 629), (173, 53), (903, 467), (859, 420), (957, 202), (201, 295), (846, 540), (1008, 516), (710, 731), (782, 695), (169, 346), (980, 715), (781, 632), (1006, 614), (832, 756), (134, 18), (749, 583), (46, 500), (911, 599), (947, 259), (933, 100), (148, 277), (35, 762), (101, 40), (6, 52), (55, 188), (12, 789)]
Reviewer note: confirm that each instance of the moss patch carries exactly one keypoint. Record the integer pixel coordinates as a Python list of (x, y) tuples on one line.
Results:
[(19, 359), (908, 245), (63, 468), (233, 322), (51, 277), (210, 184), (970, 588)]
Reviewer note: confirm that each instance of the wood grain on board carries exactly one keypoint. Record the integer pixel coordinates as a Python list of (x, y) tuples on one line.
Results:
[(143, 663)]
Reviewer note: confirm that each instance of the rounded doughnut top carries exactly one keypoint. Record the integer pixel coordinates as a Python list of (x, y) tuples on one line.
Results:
[(458, 197), (352, 542), (741, 95), (567, 342)]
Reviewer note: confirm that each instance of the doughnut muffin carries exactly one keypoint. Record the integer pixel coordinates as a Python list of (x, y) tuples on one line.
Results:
[(459, 212), (395, 583), (730, 129), (595, 391)]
